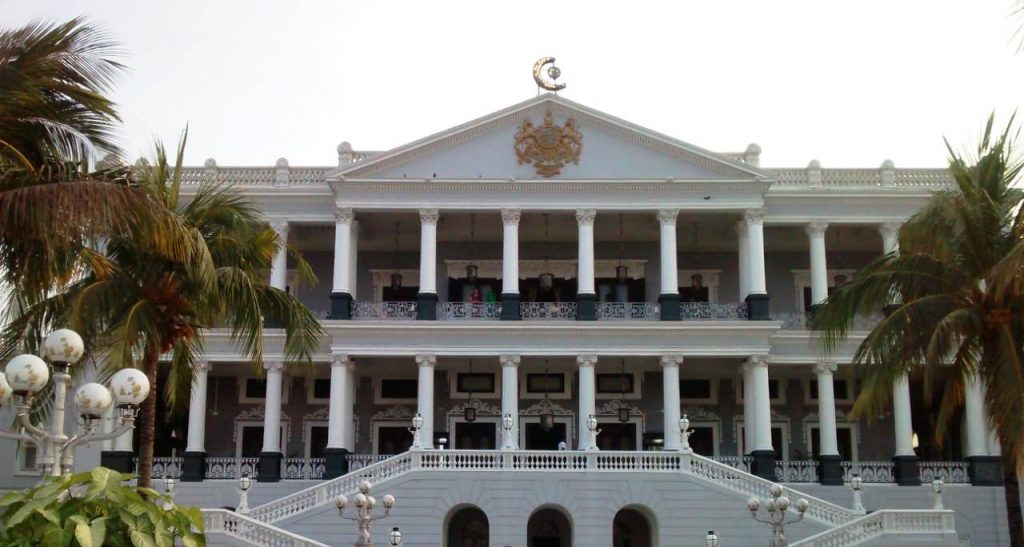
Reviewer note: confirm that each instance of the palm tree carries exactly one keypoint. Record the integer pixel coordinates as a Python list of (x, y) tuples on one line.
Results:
[(140, 305), (55, 117), (958, 278)]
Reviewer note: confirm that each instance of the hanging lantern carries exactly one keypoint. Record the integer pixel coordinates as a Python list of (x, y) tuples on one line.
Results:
[(624, 413), (621, 273), (470, 413), (472, 271), (396, 281), (547, 281), (547, 420), (697, 281)]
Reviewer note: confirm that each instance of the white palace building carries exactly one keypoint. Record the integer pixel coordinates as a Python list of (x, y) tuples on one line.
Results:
[(558, 293)]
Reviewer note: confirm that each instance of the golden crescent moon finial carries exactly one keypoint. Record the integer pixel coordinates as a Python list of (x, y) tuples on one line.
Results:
[(553, 72)]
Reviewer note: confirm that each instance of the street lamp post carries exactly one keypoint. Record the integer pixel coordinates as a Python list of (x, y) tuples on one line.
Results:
[(594, 432), (417, 424), (856, 483), (508, 424), (684, 434), (26, 375), (937, 485), (244, 483), (364, 516), (776, 514), (395, 537)]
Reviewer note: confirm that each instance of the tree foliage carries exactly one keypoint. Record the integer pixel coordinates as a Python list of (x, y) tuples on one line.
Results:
[(96, 509)]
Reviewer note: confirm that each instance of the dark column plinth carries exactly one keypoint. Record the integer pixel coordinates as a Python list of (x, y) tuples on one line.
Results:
[(830, 470), (270, 466), (669, 304), (193, 466), (335, 462), (985, 470), (120, 460), (907, 471), (510, 306), (586, 307), (764, 464), (426, 306), (757, 307), (341, 306)]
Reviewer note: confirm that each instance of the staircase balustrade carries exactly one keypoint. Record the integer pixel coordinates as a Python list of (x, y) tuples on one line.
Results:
[(252, 531), (886, 521)]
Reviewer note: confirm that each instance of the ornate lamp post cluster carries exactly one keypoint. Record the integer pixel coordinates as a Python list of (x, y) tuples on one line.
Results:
[(26, 375), (777, 508), (364, 517)]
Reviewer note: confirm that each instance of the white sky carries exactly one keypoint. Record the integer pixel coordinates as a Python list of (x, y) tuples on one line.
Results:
[(849, 83)]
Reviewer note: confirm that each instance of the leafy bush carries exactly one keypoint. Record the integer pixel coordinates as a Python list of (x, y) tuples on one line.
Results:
[(96, 509)]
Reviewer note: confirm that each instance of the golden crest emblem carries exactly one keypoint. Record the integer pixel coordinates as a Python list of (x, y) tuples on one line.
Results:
[(548, 147)]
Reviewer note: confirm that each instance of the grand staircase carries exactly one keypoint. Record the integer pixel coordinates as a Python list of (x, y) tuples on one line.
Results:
[(844, 527)]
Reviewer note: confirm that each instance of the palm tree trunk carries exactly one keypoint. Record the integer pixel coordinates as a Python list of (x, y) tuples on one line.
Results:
[(1011, 488), (147, 418)]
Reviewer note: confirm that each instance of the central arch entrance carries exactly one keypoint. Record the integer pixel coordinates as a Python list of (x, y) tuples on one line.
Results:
[(548, 527), (631, 528), (468, 527)]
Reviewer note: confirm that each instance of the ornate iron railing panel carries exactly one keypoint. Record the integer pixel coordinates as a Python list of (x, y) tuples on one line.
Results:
[(459, 311), (949, 472), (384, 310), (303, 469), (710, 311), (627, 311), (742, 463), (870, 472), (796, 470), (359, 461), (232, 468), (558, 311), (165, 468)]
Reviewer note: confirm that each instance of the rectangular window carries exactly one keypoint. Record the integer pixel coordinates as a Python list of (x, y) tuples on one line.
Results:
[(545, 383), (27, 457), (322, 388), (844, 438), (695, 389), (394, 388), (615, 383), (317, 441), (776, 391), (476, 382), (255, 388), (841, 389)]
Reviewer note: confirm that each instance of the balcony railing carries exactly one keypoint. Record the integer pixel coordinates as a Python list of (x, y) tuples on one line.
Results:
[(627, 311), (802, 321), (359, 461), (689, 311), (303, 469), (384, 310), (458, 311), (796, 470), (559, 311)]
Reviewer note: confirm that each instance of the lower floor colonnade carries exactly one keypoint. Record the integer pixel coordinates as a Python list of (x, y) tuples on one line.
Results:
[(770, 418)]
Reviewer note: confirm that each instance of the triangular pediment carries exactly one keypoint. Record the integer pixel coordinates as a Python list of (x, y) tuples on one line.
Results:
[(608, 148)]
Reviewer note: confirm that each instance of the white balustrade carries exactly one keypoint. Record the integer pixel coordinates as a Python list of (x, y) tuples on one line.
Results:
[(253, 532), (742, 463), (384, 310), (562, 311), (456, 311), (627, 311), (887, 521)]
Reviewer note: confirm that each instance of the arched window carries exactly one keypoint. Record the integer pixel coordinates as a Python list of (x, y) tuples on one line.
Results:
[(468, 527), (632, 528), (549, 527)]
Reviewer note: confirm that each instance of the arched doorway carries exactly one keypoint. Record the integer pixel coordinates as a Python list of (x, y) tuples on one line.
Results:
[(468, 527), (631, 528), (548, 527)]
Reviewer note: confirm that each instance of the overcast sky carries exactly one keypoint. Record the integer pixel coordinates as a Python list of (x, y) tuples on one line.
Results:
[(848, 83)]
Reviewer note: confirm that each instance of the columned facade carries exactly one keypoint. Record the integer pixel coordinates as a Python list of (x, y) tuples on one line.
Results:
[(819, 267), (830, 470), (425, 397), (757, 299), (588, 407), (510, 265), (586, 298), (670, 386), (763, 453), (509, 400)]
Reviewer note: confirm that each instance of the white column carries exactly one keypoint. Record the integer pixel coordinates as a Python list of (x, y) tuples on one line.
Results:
[(744, 258), (349, 425), (748, 409), (425, 397), (340, 407), (588, 387), (755, 237), (974, 416), (279, 267), (828, 442), (585, 267), (670, 398), (510, 399), (353, 261), (510, 252), (819, 266), (124, 442), (762, 403), (428, 251), (669, 269), (272, 414), (197, 409), (342, 252), (901, 416)]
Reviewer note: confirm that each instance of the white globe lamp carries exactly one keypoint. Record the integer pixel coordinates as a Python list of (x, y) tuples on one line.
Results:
[(130, 387), (63, 347), (93, 400), (5, 389), (27, 374)]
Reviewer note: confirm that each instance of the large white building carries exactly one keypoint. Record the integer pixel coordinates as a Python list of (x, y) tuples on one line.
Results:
[(511, 277)]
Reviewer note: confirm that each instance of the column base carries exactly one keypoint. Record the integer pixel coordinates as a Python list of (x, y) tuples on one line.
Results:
[(193, 467), (270, 466), (341, 306), (830, 470), (764, 464), (120, 460), (510, 307), (907, 472), (335, 462), (586, 307), (669, 305), (426, 306), (985, 470), (757, 307)]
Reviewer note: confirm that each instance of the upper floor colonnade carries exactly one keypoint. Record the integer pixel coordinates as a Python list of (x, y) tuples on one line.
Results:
[(750, 245)]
